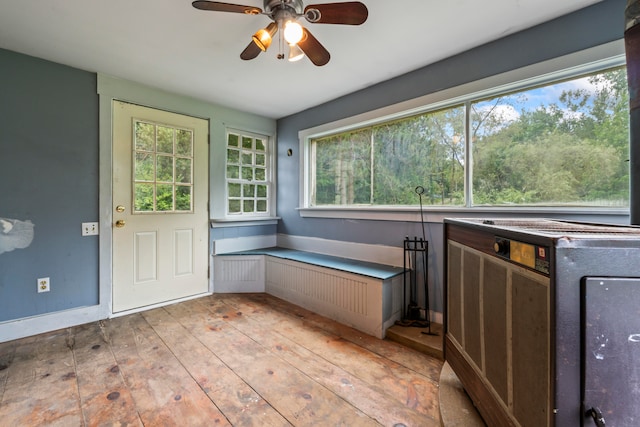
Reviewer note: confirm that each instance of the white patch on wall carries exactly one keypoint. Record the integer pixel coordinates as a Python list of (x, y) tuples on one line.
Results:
[(15, 234)]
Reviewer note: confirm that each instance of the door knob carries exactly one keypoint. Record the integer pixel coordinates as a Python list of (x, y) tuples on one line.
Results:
[(120, 223), (120, 208)]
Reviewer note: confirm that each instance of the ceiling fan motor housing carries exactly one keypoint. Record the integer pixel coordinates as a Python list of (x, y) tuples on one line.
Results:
[(294, 6)]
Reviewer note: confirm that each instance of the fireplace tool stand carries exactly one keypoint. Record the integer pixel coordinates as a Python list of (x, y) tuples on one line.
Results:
[(416, 249)]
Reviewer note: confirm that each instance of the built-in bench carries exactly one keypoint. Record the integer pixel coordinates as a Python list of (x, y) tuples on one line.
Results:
[(367, 296)]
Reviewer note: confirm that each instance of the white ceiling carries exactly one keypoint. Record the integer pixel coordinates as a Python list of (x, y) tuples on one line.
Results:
[(171, 45)]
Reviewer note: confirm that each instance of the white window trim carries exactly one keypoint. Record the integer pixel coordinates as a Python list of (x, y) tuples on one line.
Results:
[(221, 217), (589, 60)]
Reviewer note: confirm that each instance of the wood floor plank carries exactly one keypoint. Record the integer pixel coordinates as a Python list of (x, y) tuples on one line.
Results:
[(7, 353), (41, 384), (410, 358), (300, 399), (238, 401), (387, 377), (164, 392), (371, 399), (226, 359), (104, 395)]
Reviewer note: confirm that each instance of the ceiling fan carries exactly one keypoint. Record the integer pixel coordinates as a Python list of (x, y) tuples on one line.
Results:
[(285, 14)]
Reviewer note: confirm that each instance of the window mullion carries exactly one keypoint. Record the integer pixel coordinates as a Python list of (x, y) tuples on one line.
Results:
[(468, 158), (373, 132)]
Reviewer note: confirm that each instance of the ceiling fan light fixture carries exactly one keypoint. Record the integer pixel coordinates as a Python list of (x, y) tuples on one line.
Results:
[(292, 32), (295, 53), (285, 14), (263, 37)]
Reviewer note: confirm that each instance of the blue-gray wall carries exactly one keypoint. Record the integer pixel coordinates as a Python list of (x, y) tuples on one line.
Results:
[(595, 25), (49, 165), (55, 128), (49, 176)]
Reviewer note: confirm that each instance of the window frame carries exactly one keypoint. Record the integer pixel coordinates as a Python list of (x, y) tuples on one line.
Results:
[(235, 219), (591, 60)]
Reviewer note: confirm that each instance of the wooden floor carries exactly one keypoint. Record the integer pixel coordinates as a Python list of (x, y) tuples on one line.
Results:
[(235, 359)]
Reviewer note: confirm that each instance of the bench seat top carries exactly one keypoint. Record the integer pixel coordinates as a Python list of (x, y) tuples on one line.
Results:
[(364, 268)]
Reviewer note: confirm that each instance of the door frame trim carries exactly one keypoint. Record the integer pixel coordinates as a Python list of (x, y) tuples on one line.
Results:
[(110, 90), (164, 290)]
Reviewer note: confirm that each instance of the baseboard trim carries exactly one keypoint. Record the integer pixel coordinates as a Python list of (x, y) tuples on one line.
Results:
[(28, 326)]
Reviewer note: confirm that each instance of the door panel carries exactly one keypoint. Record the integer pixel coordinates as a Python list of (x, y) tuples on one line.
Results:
[(183, 252), (145, 257), (160, 193)]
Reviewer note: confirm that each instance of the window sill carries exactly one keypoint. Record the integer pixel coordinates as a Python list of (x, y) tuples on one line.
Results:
[(243, 222), (437, 214)]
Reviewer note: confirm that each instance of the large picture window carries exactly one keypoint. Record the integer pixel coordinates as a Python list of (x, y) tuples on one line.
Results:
[(380, 165), (562, 143), (566, 143)]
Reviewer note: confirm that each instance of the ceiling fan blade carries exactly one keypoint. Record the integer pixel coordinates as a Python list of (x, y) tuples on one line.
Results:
[(251, 51), (313, 49), (217, 6), (348, 13)]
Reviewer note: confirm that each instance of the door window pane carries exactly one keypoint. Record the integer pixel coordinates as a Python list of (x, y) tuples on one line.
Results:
[(144, 198), (184, 142), (145, 136), (144, 166), (183, 171), (164, 197), (183, 198), (165, 139), (163, 176), (164, 169)]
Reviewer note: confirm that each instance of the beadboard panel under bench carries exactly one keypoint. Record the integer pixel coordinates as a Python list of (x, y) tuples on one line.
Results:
[(367, 296)]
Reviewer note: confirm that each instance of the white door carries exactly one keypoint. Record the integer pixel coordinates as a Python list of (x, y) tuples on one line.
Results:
[(160, 214)]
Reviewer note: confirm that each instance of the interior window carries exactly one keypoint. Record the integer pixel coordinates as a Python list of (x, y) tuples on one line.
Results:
[(382, 164), (247, 174)]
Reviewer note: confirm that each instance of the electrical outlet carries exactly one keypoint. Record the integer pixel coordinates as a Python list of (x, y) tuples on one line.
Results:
[(89, 228), (44, 284)]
